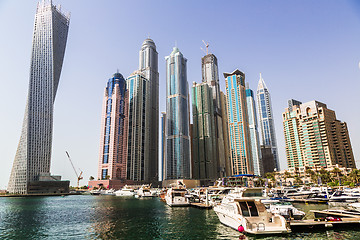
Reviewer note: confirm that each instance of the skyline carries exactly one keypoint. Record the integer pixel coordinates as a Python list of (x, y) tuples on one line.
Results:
[(304, 39)]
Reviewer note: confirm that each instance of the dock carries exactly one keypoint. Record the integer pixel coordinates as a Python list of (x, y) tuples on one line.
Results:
[(40, 195), (312, 224), (307, 201), (201, 205)]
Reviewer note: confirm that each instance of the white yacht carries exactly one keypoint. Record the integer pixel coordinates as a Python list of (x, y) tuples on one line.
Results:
[(250, 215), (125, 191), (286, 210), (175, 197), (340, 196), (97, 192), (144, 192), (109, 192)]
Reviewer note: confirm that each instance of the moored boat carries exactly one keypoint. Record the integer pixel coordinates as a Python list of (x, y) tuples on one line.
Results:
[(125, 191), (176, 197), (250, 215)]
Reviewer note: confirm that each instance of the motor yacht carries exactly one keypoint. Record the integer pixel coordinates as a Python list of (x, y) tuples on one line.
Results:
[(145, 192), (250, 215), (125, 191), (340, 196), (97, 192), (110, 192), (176, 197), (286, 210)]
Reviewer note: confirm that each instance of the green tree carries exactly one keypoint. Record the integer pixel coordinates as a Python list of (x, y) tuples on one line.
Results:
[(354, 176)]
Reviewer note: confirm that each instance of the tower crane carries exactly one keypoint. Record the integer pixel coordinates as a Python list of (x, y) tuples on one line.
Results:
[(79, 177)]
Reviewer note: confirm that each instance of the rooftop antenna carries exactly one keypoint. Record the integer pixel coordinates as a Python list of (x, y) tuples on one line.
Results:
[(207, 47)]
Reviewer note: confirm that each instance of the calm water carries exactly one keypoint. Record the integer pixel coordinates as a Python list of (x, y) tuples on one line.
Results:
[(110, 217)]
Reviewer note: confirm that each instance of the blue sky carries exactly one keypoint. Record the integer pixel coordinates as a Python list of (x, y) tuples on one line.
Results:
[(306, 50)]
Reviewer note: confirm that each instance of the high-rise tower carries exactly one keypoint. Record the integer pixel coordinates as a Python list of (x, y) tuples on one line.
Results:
[(204, 148), (267, 120), (210, 76), (148, 65), (139, 161), (177, 117), (32, 159), (315, 138), (239, 135), (254, 133), (113, 138)]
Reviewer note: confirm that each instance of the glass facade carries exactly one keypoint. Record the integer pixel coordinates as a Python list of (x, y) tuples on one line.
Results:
[(139, 128), (238, 122), (148, 66), (254, 134), (177, 118), (266, 120), (34, 150)]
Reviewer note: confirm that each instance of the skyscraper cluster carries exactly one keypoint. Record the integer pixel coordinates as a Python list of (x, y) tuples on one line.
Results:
[(129, 123), (225, 136), (229, 134), (222, 141)]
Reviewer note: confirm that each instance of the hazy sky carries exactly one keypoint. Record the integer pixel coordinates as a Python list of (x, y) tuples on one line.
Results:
[(306, 50)]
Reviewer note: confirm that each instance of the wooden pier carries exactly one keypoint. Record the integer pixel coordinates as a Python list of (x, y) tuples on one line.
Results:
[(201, 205), (307, 201), (312, 224)]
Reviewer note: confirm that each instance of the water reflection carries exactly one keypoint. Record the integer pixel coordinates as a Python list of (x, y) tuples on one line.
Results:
[(110, 217), (125, 218), (22, 218)]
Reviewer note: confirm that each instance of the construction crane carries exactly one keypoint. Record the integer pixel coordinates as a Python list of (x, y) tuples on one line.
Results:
[(206, 46), (79, 177)]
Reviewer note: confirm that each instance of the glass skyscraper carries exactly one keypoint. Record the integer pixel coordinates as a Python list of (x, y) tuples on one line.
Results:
[(204, 149), (267, 120), (177, 117), (239, 135), (254, 133), (210, 76), (138, 162), (32, 159), (148, 65)]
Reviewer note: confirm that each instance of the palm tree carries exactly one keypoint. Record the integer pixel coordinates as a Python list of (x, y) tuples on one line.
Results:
[(337, 173), (355, 176)]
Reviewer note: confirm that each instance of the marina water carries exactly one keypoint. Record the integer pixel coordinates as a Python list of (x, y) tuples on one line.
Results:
[(110, 217)]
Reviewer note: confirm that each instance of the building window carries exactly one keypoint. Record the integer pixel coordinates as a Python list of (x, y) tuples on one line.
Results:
[(104, 174)]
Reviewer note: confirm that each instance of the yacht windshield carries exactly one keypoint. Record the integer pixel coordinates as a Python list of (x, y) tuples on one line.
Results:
[(244, 209), (253, 210)]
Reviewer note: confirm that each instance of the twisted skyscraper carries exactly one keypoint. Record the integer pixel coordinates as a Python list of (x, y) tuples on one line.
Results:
[(32, 159)]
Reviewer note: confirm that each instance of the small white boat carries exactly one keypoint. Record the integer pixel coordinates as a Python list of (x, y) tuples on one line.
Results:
[(340, 196), (287, 210), (97, 192), (355, 206), (110, 192), (145, 192), (250, 215), (125, 191), (176, 197)]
